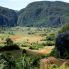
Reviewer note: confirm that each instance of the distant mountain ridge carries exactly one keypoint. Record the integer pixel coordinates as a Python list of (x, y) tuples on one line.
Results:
[(44, 13), (8, 17), (37, 14)]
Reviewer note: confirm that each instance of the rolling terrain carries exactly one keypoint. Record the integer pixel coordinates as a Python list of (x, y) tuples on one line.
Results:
[(36, 14), (44, 14), (8, 17), (28, 37)]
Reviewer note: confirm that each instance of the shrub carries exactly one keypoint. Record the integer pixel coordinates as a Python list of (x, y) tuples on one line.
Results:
[(44, 44), (64, 28), (9, 48), (62, 45), (9, 42), (35, 60), (50, 43), (24, 45), (31, 47), (9, 45), (53, 53), (35, 46), (51, 37), (24, 51), (8, 61)]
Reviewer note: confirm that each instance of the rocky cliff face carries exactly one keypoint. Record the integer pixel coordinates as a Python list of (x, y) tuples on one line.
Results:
[(37, 14), (8, 17), (44, 13)]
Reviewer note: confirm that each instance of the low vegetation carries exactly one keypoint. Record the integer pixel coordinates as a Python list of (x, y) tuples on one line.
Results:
[(34, 43)]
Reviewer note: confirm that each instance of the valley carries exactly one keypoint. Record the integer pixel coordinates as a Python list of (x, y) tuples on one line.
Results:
[(35, 37)]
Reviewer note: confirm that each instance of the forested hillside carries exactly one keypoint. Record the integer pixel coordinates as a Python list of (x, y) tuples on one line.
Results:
[(44, 13), (8, 17), (37, 14)]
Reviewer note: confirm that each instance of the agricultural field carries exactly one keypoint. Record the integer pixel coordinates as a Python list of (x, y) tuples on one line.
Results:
[(26, 34), (34, 43)]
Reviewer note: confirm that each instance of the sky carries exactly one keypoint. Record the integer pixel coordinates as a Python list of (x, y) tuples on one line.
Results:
[(19, 4)]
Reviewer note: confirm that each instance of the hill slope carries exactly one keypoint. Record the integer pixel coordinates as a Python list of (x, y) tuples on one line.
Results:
[(8, 17), (44, 13)]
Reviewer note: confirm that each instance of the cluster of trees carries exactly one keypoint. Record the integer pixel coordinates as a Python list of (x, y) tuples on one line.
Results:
[(62, 42), (9, 45), (23, 62)]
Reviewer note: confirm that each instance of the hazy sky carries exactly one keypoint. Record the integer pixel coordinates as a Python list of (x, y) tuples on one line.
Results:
[(19, 4)]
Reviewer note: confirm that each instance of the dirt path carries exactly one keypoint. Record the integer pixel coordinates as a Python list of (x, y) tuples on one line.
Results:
[(43, 51), (26, 38), (46, 50), (63, 65)]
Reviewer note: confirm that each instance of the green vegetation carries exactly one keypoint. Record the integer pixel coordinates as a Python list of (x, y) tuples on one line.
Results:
[(8, 61), (36, 14), (8, 17), (9, 42), (9, 45), (45, 34), (32, 42), (62, 42), (44, 14), (64, 28)]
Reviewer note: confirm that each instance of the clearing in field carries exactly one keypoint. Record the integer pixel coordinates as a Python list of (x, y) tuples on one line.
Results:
[(28, 38), (46, 50)]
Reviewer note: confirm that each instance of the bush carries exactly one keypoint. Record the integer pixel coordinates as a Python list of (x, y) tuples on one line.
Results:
[(9, 48), (50, 43), (62, 45), (9, 42), (53, 53), (31, 47), (51, 37), (64, 28), (44, 44), (24, 51), (36, 46), (9, 45), (23, 45)]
